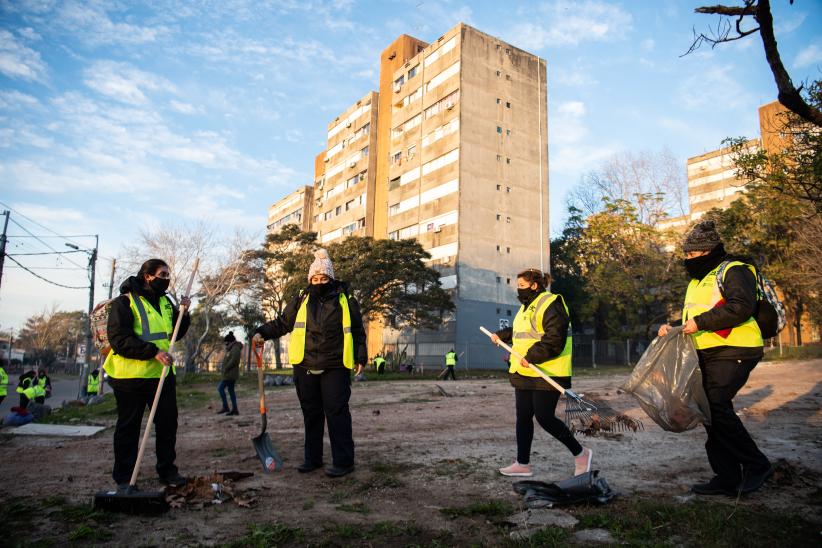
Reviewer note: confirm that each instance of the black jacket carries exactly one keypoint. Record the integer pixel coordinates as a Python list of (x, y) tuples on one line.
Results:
[(324, 335), (120, 325), (555, 324), (739, 292)]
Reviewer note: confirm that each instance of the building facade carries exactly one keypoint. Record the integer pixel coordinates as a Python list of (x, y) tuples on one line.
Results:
[(296, 209)]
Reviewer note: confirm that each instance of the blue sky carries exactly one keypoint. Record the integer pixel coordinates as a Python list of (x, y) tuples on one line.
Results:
[(122, 116)]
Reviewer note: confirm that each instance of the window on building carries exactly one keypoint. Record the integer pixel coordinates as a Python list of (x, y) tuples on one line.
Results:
[(394, 235), (507, 51), (327, 215), (498, 281), (498, 310), (508, 250), (393, 183), (508, 132), (507, 76), (507, 104), (499, 216), (508, 160), (499, 129), (413, 71), (350, 204), (499, 73), (499, 187), (338, 210), (396, 158), (411, 151), (507, 312), (508, 280), (508, 189), (393, 209), (508, 220), (364, 152), (499, 157), (499, 100), (497, 248), (399, 82), (316, 218)]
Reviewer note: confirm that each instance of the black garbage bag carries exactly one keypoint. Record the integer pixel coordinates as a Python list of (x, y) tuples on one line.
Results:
[(584, 488), (667, 383)]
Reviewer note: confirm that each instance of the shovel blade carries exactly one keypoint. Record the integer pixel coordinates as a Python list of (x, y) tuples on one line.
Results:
[(268, 456)]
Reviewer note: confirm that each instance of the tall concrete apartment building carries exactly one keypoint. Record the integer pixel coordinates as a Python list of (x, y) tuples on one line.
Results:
[(459, 161), (712, 180), (296, 209)]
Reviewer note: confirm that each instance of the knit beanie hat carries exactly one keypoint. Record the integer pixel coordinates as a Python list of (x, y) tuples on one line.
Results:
[(230, 337), (703, 237), (321, 265)]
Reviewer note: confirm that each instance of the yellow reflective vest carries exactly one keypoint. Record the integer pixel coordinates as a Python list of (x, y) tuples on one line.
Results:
[(151, 326), (4, 381), (703, 295), (528, 330), (93, 386), (39, 388), (26, 388), (378, 361), (451, 359), (296, 346)]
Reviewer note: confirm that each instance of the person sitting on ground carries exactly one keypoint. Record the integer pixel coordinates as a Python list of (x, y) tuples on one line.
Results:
[(231, 372), (542, 335)]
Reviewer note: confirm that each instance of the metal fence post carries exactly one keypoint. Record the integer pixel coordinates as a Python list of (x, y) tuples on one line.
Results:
[(593, 353), (628, 352)]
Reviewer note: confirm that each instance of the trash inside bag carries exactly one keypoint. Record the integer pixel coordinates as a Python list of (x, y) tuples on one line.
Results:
[(667, 383), (584, 488)]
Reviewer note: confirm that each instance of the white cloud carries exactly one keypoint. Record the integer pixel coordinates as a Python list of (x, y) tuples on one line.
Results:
[(124, 83), (15, 100), (572, 108), (648, 44), (809, 55), (576, 76), (20, 61), (91, 23), (183, 108), (712, 85), (571, 23)]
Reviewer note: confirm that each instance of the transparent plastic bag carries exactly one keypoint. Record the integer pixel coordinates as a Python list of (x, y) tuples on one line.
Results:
[(667, 383)]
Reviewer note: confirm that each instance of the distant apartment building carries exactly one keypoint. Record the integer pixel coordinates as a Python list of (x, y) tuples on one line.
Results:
[(451, 151), (294, 209), (712, 180), (344, 186)]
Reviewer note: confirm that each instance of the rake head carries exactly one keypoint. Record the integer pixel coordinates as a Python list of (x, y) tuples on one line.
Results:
[(591, 419)]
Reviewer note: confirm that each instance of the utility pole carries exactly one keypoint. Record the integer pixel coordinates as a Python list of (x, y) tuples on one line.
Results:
[(3, 243), (111, 280), (100, 379), (92, 266)]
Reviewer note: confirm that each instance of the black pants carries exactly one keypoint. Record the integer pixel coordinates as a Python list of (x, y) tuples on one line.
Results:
[(540, 404), (131, 404), (24, 401), (3, 397), (449, 372), (381, 369), (324, 398), (731, 450)]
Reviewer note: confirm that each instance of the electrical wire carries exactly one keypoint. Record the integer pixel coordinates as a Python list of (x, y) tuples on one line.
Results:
[(51, 253), (41, 241), (35, 222), (45, 279)]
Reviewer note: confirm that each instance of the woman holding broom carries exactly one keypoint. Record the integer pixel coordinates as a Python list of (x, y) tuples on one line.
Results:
[(327, 340), (541, 333), (140, 323)]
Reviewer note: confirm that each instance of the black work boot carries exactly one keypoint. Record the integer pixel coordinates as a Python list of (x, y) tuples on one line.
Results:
[(715, 486)]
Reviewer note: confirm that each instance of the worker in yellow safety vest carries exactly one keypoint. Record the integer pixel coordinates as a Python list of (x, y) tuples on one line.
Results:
[(25, 388), (327, 341), (4, 384), (729, 344), (140, 325), (379, 364), (542, 335), (93, 385)]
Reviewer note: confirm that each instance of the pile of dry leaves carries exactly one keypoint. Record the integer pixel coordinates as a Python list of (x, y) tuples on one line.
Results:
[(217, 488)]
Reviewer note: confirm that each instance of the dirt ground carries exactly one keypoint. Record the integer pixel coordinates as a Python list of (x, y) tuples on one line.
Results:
[(418, 453)]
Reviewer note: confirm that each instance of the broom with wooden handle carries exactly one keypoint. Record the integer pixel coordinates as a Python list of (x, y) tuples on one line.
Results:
[(132, 501), (591, 417)]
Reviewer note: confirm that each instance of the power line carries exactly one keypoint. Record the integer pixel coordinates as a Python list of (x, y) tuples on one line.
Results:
[(46, 279), (38, 224), (72, 268), (52, 253), (42, 242)]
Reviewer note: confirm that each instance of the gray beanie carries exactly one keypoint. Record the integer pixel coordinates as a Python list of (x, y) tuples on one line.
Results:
[(321, 265), (703, 237)]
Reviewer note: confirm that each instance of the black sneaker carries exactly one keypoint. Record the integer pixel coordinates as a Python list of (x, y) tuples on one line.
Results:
[(173, 480), (715, 486), (233, 412), (754, 481), (338, 471), (306, 467)]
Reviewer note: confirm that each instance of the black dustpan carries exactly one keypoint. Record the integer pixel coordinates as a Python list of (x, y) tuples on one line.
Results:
[(268, 456)]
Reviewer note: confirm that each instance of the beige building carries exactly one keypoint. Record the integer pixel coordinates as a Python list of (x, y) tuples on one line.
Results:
[(344, 189), (712, 180), (296, 208)]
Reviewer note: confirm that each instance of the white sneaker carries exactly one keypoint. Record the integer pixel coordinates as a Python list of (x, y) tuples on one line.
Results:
[(518, 470), (582, 462)]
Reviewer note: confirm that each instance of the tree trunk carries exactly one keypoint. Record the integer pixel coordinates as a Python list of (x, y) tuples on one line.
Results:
[(191, 366), (798, 321), (277, 359)]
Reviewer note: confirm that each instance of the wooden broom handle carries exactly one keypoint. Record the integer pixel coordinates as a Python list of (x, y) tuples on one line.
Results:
[(539, 371), (151, 413)]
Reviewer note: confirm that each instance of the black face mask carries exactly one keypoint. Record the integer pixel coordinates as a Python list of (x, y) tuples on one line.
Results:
[(526, 295), (699, 267), (159, 285), (320, 290)]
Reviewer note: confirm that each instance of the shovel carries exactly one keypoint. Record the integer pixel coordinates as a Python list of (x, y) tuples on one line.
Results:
[(262, 444)]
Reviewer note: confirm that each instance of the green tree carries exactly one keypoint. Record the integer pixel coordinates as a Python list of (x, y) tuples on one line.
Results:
[(566, 268), (45, 335)]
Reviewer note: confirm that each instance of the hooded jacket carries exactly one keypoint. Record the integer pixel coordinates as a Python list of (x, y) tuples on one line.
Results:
[(324, 335), (121, 335)]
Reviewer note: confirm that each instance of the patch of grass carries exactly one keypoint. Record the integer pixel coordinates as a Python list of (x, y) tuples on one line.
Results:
[(76, 513), (17, 514), (354, 507), (547, 537), (698, 523), (489, 509), (345, 531), (457, 468), (809, 352), (92, 534), (309, 504), (86, 414), (274, 534), (219, 452), (193, 398)]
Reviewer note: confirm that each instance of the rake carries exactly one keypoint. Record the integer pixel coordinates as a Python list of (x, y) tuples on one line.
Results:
[(582, 415)]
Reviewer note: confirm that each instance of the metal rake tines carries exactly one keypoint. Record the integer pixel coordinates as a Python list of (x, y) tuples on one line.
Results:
[(592, 419)]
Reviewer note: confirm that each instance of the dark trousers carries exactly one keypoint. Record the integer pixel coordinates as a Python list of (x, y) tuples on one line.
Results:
[(221, 389), (40, 399), (324, 398), (731, 450), (449, 372), (381, 369), (24, 401), (131, 405), (3, 397), (540, 404)]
